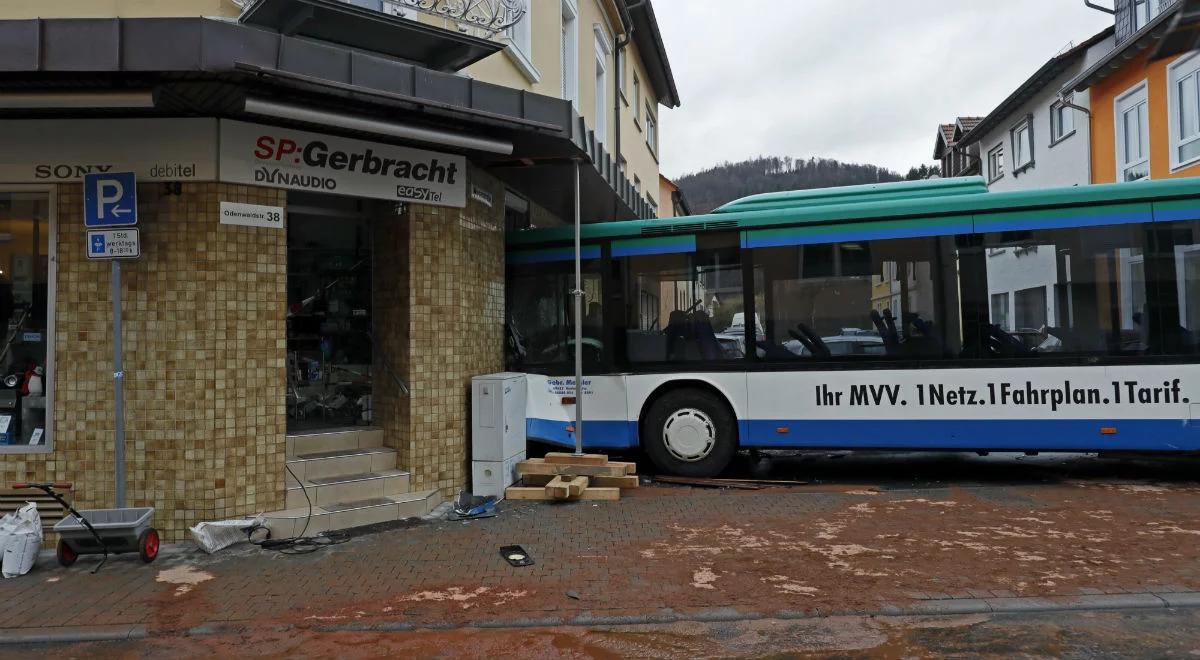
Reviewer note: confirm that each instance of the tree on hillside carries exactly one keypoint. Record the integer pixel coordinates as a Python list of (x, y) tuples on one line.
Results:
[(727, 181), (922, 172)]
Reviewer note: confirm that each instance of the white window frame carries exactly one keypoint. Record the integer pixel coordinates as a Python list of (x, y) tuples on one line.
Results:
[(1025, 124), (1058, 110), (570, 52), (1188, 66), (995, 167), (1135, 95), (602, 78), (637, 100), (1153, 8), (518, 40), (50, 379), (651, 130)]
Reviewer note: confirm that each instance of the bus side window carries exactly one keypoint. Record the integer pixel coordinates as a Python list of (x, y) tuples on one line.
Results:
[(1089, 291), (849, 301), (686, 306)]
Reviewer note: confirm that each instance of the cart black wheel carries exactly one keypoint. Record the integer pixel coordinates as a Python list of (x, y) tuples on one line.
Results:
[(66, 556), (148, 545)]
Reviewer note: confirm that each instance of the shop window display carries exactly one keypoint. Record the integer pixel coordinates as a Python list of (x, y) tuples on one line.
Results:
[(24, 297)]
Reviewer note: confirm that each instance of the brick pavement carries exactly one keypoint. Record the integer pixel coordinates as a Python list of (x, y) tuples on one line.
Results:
[(662, 552)]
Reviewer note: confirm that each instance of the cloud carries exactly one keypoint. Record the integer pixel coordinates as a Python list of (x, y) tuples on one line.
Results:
[(856, 80)]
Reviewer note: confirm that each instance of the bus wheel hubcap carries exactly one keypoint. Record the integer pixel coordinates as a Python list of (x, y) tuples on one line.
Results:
[(689, 434)]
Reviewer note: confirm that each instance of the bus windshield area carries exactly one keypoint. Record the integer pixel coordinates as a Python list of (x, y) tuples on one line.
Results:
[(1051, 294)]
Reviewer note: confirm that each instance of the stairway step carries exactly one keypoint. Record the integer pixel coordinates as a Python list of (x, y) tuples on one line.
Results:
[(333, 440), (357, 460), (344, 488), (355, 513)]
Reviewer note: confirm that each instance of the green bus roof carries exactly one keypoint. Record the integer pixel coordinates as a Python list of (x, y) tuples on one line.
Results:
[(913, 202)]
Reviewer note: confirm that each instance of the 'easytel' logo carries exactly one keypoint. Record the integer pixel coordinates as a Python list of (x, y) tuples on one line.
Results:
[(318, 154)]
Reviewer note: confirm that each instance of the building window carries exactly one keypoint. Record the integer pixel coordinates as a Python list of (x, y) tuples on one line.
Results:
[(26, 306), (602, 50), (653, 207), (570, 52), (520, 34), (1000, 311), (1133, 136), (620, 59), (637, 100), (1062, 121), (1184, 93), (651, 130), (995, 162), (1144, 11), (637, 184), (1022, 145)]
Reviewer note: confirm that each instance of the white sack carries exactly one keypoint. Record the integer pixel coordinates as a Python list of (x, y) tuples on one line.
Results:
[(213, 536), (22, 541)]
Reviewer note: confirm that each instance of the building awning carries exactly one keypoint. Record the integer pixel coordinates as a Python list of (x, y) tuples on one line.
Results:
[(344, 24), (209, 67)]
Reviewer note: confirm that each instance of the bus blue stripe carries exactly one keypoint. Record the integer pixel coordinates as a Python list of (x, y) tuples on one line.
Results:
[(552, 255), (1064, 222), (1015, 434), (597, 434), (1169, 215), (997, 434), (1043, 435), (753, 240)]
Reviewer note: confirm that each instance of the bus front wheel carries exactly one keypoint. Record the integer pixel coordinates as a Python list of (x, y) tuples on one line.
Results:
[(690, 433)]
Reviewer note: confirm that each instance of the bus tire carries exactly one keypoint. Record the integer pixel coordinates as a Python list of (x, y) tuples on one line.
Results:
[(690, 433)]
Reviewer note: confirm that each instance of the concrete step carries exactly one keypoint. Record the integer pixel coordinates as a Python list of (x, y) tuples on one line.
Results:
[(355, 437), (347, 488), (339, 462), (348, 514)]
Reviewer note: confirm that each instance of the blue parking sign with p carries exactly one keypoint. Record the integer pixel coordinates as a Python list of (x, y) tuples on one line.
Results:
[(109, 199)]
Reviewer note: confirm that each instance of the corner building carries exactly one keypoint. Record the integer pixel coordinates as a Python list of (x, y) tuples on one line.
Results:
[(322, 201)]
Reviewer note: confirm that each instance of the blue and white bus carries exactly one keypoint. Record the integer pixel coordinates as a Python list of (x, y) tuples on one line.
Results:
[(922, 315)]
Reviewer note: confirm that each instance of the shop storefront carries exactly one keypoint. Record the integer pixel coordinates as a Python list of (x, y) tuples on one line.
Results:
[(308, 264)]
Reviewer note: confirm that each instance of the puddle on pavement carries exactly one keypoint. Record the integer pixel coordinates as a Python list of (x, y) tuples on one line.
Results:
[(185, 577)]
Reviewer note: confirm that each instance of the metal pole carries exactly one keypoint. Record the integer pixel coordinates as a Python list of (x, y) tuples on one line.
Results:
[(118, 385), (578, 326)]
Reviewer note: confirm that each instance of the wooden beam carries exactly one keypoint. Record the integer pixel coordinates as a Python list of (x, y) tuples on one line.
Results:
[(560, 487), (628, 481), (536, 466), (539, 493), (571, 459)]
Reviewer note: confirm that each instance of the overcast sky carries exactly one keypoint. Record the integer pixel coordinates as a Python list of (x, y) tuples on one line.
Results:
[(856, 80)]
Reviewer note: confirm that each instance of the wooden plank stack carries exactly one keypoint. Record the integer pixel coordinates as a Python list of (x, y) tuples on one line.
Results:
[(563, 476)]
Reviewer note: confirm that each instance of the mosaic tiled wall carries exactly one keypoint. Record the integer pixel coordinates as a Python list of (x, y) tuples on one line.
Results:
[(454, 315), (204, 361)]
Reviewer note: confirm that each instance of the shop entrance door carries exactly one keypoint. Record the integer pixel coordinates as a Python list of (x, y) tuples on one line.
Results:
[(329, 316)]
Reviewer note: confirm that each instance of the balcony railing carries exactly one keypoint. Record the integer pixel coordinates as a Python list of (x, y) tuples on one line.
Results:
[(487, 16)]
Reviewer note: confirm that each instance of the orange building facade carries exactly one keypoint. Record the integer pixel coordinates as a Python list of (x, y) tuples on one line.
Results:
[(1155, 79)]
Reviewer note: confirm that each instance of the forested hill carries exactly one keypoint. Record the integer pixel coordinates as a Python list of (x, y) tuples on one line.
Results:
[(726, 182)]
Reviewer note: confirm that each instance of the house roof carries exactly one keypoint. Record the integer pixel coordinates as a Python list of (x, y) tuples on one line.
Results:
[(967, 123), (1052, 69), (950, 134), (945, 139), (654, 53), (1142, 40)]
